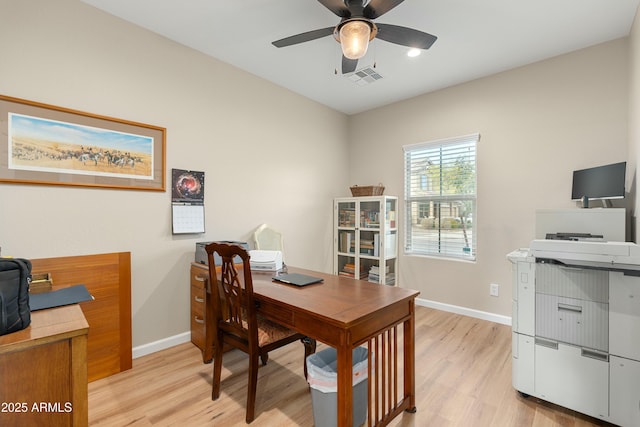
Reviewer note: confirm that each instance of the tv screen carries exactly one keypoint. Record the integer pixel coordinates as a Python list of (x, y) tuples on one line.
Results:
[(602, 182)]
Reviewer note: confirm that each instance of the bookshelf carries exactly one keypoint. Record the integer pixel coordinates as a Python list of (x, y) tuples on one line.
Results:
[(366, 238)]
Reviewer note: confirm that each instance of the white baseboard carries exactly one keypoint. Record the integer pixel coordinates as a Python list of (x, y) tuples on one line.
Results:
[(492, 317), (162, 344), (184, 337)]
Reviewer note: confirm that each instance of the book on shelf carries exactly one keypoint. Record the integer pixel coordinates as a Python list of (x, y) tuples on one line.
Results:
[(390, 278), (349, 270), (376, 244), (347, 243), (391, 219), (375, 269), (366, 247), (370, 246), (374, 275), (370, 218), (347, 217)]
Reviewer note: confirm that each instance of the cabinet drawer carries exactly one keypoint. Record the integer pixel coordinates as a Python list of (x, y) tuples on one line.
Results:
[(277, 313), (624, 328), (565, 376), (573, 321), (197, 296), (199, 277), (197, 330), (197, 314), (625, 394)]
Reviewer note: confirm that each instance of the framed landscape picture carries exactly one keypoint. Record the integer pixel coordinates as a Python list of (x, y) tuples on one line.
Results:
[(45, 144)]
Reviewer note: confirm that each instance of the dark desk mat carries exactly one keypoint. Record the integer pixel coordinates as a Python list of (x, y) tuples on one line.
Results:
[(65, 296)]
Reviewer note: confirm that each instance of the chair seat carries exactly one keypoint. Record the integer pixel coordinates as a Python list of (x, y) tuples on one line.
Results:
[(270, 332)]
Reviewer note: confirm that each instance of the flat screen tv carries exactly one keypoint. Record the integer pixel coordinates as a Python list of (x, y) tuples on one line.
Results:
[(599, 183)]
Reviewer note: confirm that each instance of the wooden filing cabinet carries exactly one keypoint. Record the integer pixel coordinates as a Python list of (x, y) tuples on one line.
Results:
[(199, 280), (200, 324)]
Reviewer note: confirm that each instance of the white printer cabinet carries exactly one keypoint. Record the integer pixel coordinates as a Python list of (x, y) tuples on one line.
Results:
[(576, 337), (624, 346)]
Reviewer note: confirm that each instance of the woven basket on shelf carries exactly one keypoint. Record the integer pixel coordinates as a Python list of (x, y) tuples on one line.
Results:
[(367, 190)]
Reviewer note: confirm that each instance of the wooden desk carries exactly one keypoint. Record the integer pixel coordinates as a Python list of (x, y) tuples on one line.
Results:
[(346, 313), (43, 371)]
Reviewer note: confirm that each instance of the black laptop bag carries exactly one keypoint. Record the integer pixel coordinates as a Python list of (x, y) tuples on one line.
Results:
[(15, 277)]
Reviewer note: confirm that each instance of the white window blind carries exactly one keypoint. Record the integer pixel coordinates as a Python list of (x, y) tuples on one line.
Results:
[(440, 197)]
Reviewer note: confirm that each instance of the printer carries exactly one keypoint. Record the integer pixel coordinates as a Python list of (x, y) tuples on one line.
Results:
[(201, 253), (263, 260), (587, 253)]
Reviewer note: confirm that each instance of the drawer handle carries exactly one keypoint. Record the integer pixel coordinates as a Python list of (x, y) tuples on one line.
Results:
[(595, 354), (200, 278), (547, 343), (198, 299), (198, 320), (564, 267), (569, 307)]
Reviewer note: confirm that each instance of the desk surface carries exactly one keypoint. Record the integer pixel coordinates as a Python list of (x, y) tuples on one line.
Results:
[(340, 300), (54, 324)]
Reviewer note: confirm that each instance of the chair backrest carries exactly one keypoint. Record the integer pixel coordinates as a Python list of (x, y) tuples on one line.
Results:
[(266, 238), (235, 293)]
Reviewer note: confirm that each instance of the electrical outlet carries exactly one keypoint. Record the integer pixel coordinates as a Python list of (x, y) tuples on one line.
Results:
[(494, 290)]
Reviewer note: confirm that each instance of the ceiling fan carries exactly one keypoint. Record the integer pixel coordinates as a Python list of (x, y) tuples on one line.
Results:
[(356, 29)]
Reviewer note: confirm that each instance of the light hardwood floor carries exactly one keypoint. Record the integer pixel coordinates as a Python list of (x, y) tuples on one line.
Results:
[(463, 378)]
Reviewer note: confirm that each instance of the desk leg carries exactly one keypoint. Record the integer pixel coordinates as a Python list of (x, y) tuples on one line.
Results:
[(410, 359), (79, 383), (345, 386)]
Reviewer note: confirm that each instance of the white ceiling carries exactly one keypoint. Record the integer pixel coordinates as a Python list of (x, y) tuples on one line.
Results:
[(476, 38)]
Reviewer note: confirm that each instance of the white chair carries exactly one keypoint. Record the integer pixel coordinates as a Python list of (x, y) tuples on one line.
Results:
[(266, 238)]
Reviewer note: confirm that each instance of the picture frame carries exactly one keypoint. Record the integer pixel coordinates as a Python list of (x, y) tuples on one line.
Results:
[(49, 145)]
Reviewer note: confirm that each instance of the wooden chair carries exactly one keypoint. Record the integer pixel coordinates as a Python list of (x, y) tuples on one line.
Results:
[(238, 325)]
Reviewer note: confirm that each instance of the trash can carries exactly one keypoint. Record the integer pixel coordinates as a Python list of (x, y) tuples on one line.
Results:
[(322, 375)]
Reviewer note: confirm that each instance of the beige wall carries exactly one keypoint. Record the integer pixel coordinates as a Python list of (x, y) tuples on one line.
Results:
[(234, 126), (634, 120), (537, 123)]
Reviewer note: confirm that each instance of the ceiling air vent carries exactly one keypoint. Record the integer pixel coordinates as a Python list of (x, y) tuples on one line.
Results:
[(365, 76)]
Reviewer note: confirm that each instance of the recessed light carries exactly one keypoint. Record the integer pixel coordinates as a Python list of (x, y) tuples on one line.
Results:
[(413, 53)]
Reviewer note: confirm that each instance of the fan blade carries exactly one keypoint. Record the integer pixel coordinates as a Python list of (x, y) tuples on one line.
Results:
[(377, 8), (348, 65), (338, 7), (303, 37), (405, 36)]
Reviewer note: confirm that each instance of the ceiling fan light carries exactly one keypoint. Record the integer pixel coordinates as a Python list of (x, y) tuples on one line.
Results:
[(354, 39)]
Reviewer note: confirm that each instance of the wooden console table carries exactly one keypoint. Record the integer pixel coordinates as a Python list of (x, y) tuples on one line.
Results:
[(43, 371)]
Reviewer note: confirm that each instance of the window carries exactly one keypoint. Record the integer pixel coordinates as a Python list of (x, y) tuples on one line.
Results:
[(440, 197)]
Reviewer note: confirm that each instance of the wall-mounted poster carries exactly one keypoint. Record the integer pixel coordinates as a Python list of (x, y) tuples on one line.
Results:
[(187, 201)]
